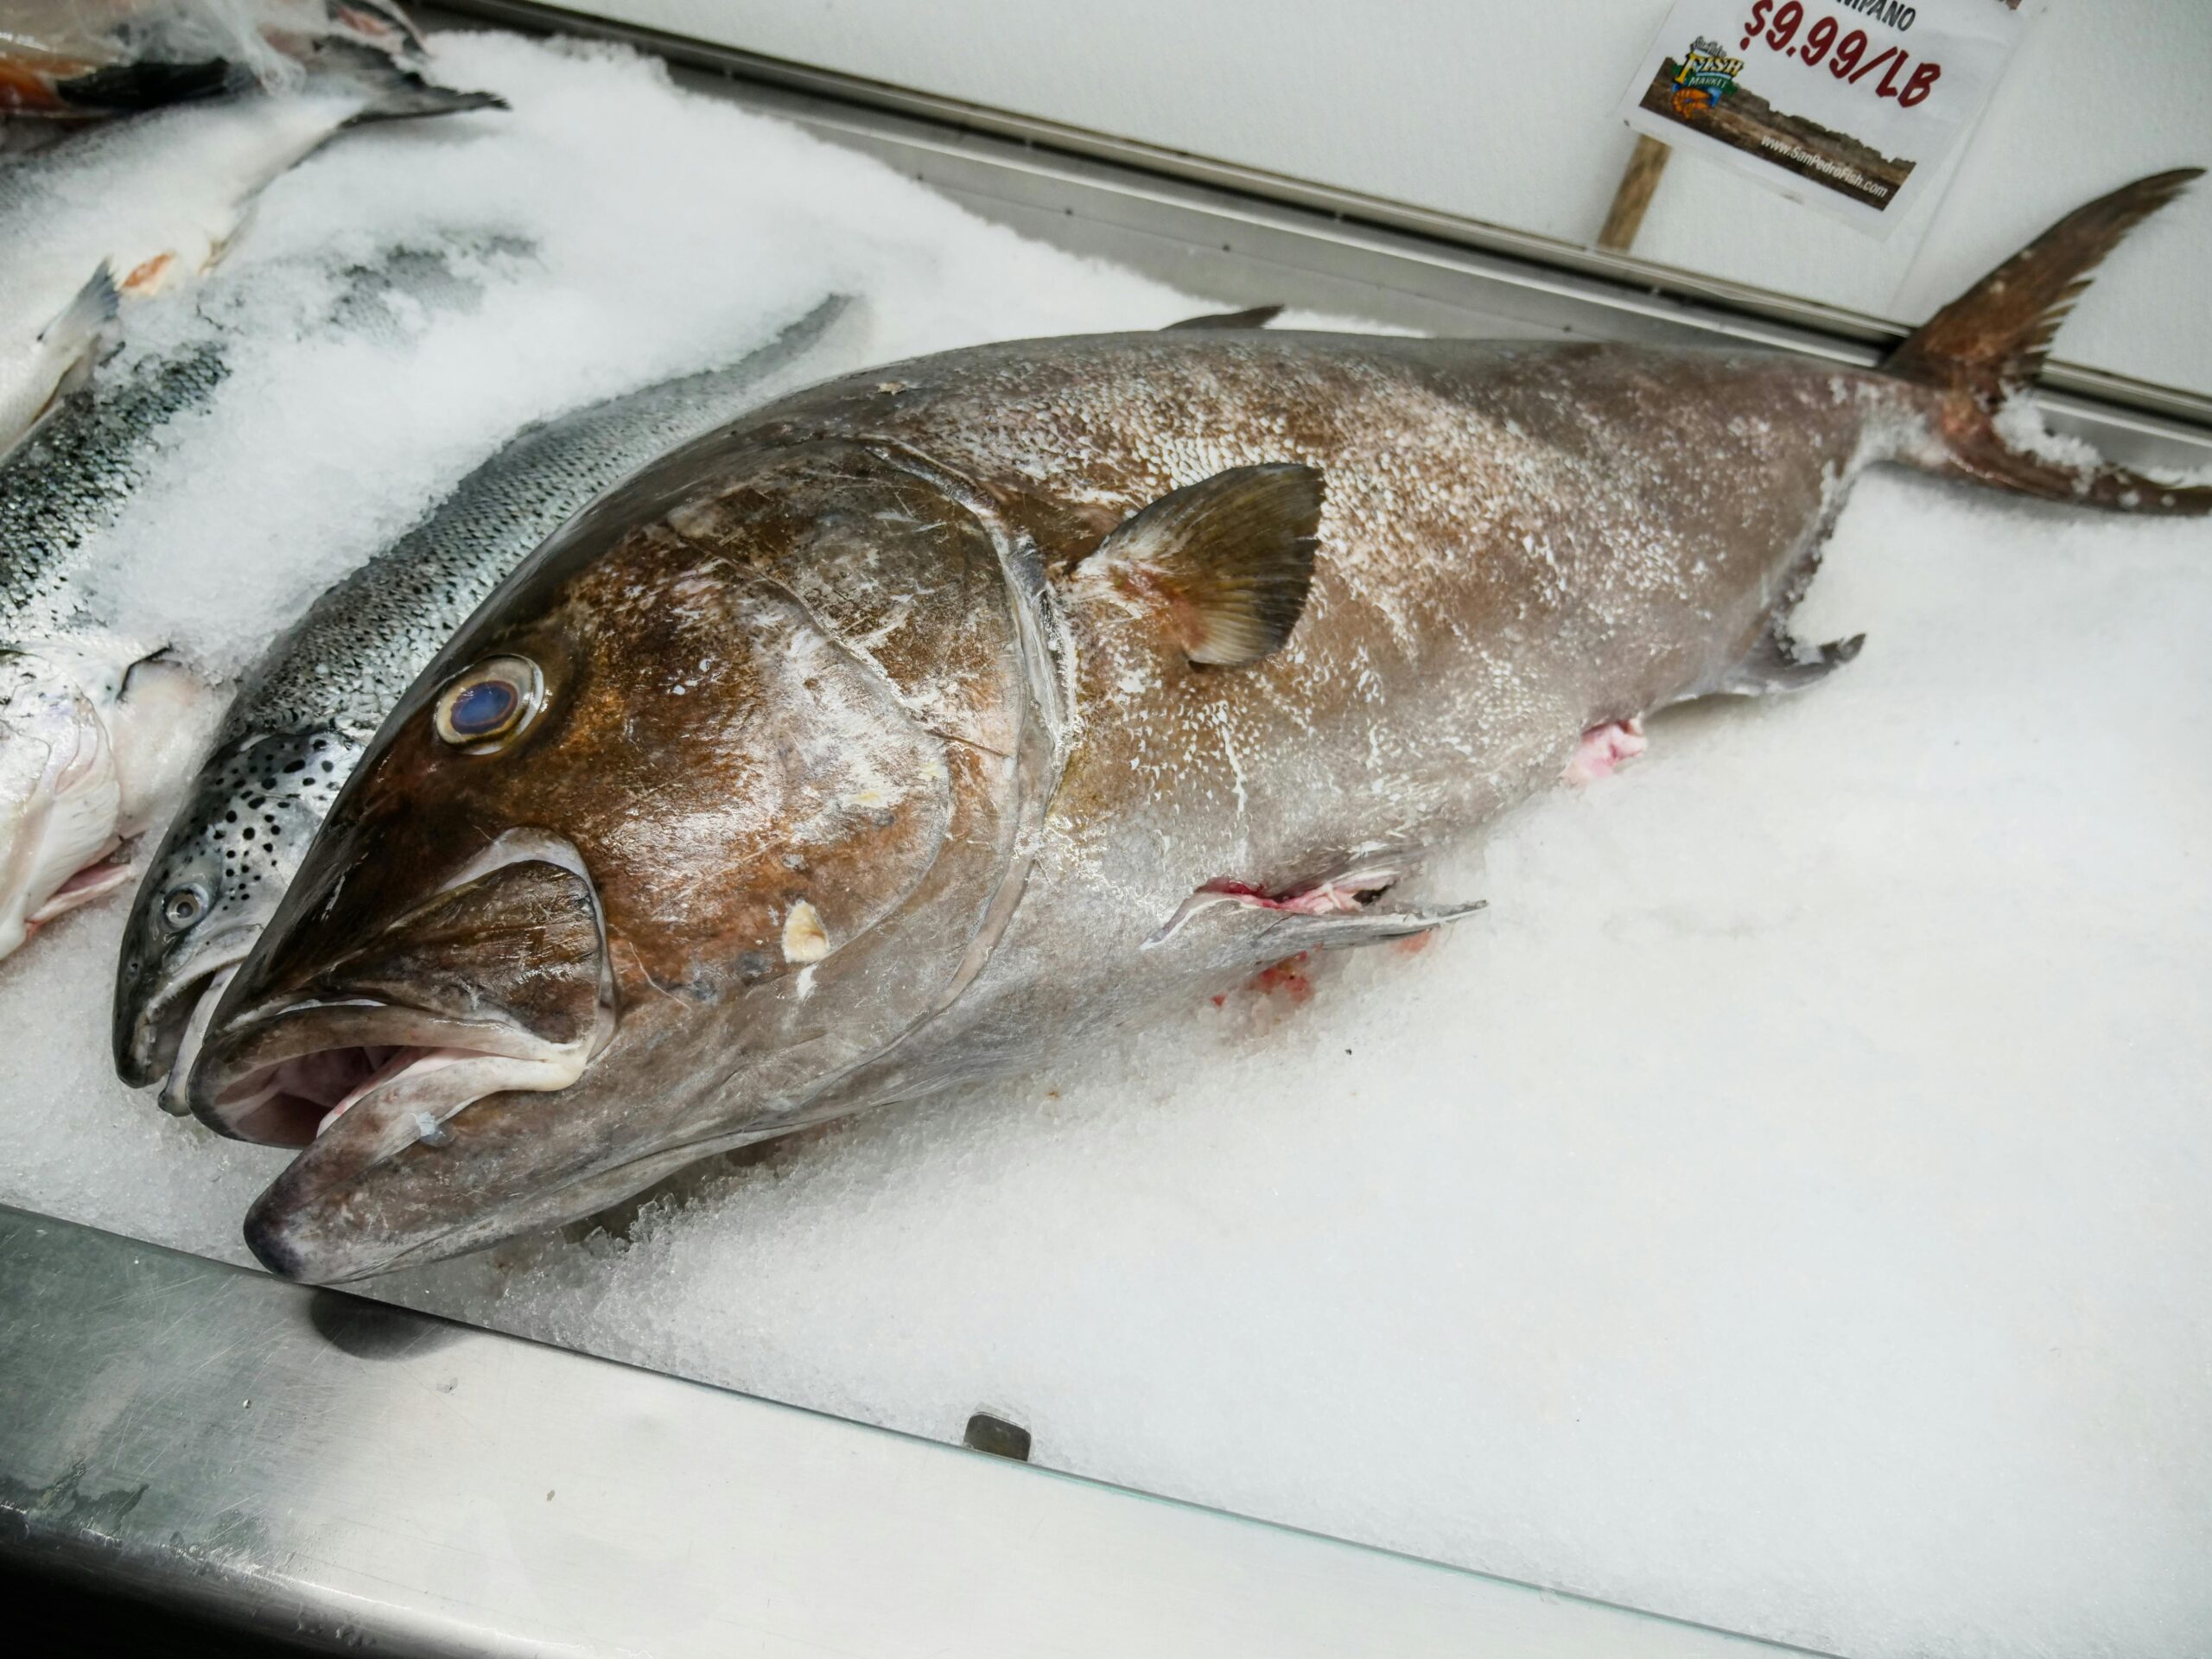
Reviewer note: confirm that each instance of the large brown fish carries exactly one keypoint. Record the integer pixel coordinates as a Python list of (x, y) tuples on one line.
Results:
[(949, 710)]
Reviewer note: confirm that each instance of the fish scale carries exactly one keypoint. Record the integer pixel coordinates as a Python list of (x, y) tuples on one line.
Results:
[(72, 480), (341, 668)]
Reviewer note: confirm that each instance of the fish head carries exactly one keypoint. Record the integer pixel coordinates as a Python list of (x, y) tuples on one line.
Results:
[(231, 851), (699, 820), (91, 739)]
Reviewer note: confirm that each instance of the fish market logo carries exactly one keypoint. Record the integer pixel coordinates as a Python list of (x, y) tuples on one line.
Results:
[(1707, 76)]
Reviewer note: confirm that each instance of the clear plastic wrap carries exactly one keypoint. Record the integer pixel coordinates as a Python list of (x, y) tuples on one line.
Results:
[(84, 59)]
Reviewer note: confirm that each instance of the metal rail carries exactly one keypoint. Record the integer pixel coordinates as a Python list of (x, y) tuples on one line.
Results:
[(873, 111), (349, 1475)]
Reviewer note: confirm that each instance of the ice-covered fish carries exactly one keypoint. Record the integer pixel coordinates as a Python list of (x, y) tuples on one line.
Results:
[(75, 60), (306, 712), (156, 198), (95, 728), (970, 704), (90, 724)]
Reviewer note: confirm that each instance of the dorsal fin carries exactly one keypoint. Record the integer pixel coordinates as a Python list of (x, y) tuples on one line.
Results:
[(1228, 560), (1258, 317)]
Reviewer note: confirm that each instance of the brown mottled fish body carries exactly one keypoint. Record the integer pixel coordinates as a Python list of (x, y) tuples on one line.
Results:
[(941, 714), (1518, 543)]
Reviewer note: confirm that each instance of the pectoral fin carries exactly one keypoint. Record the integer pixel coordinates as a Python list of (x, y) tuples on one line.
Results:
[(1226, 562), (1375, 925), (1779, 663), (1342, 910)]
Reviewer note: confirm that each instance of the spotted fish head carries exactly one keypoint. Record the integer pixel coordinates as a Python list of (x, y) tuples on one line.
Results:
[(229, 855)]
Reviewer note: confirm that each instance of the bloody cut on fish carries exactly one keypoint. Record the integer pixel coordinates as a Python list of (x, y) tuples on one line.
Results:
[(882, 739)]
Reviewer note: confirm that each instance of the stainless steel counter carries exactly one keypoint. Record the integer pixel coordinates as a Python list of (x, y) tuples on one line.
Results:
[(358, 1476)]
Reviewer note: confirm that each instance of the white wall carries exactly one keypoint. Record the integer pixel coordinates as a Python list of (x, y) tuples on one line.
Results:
[(1502, 110)]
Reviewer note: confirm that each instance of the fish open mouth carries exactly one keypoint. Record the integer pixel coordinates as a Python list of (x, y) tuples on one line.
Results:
[(414, 1065), (409, 1088), (409, 1026), (78, 771), (61, 804), (103, 874), (161, 1043)]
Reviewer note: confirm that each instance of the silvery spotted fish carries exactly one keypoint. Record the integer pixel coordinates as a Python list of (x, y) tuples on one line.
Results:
[(95, 729), (308, 710), (90, 725), (973, 704)]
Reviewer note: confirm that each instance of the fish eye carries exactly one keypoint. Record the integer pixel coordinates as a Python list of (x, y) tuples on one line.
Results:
[(184, 907), (488, 705)]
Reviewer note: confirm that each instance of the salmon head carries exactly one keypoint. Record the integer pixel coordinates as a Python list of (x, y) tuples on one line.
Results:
[(705, 813)]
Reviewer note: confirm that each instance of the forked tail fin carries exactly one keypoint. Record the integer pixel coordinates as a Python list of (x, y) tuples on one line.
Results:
[(1983, 350), (397, 92)]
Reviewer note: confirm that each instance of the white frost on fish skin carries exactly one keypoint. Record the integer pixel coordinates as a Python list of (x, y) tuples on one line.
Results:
[(156, 198), (559, 219)]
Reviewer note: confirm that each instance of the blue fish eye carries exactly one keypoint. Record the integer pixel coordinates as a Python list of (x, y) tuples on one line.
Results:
[(482, 709), (489, 704)]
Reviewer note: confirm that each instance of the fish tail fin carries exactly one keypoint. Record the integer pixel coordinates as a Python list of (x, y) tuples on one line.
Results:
[(1981, 354), (398, 93)]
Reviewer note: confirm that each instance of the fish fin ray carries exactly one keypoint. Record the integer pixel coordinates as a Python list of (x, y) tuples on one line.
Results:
[(400, 94), (1779, 663), (1982, 352), (90, 311), (1376, 925), (84, 320), (1229, 559), (1343, 907), (1258, 316)]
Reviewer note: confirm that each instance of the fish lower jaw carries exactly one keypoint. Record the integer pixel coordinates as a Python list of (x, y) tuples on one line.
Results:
[(20, 918), (103, 875), (399, 1092), (169, 1027), (82, 763), (58, 813)]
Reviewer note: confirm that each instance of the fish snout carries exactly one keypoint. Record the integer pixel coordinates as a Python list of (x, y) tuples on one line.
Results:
[(162, 1007), (388, 1185), (213, 886), (419, 1070)]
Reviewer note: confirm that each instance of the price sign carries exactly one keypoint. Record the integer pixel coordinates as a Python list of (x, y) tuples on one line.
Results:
[(1849, 106)]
